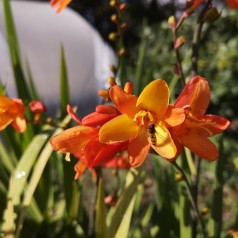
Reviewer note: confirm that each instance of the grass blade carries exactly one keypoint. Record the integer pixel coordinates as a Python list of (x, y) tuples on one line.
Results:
[(64, 87), (22, 88), (116, 214), (101, 229)]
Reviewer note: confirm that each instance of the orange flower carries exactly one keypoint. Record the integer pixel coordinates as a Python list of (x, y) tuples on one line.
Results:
[(59, 4), (232, 4), (150, 112), (12, 112), (82, 141), (197, 127)]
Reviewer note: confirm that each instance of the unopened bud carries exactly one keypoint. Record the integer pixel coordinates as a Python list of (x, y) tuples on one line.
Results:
[(103, 93), (211, 15), (180, 41), (114, 18), (113, 3), (111, 81), (178, 177), (128, 87), (123, 26), (113, 36), (49, 121), (122, 7), (121, 52), (172, 22), (205, 211)]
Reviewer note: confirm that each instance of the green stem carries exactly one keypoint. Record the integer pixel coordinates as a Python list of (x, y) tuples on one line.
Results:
[(193, 202)]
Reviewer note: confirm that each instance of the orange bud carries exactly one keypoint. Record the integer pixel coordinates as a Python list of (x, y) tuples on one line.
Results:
[(172, 22), (180, 41), (103, 94), (121, 52), (113, 36), (128, 87), (114, 18), (113, 3), (111, 81)]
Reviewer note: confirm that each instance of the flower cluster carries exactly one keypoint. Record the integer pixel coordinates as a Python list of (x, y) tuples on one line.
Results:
[(137, 124)]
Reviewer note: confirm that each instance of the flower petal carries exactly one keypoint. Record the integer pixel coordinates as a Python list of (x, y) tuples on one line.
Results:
[(19, 124), (165, 146), (74, 139), (73, 115), (79, 168), (195, 96), (174, 116), (154, 98), (120, 128), (200, 145), (97, 119), (5, 120), (106, 109), (138, 149), (97, 153), (216, 124), (124, 102)]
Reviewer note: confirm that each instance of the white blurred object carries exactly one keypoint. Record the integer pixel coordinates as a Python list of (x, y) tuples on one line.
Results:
[(41, 32)]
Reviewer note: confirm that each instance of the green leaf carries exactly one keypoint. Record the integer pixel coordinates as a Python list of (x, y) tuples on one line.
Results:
[(26, 162), (215, 220), (64, 87), (117, 214), (22, 88), (101, 229)]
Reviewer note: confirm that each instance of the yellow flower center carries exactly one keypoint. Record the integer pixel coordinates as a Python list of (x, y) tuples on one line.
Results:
[(143, 118)]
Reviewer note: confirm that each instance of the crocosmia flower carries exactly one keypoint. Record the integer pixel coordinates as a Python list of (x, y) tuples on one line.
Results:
[(143, 122), (12, 112), (83, 142), (194, 133), (60, 4)]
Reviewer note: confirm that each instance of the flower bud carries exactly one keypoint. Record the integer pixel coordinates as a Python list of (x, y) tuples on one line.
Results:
[(122, 7), (123, 26), (103, 93), (178, 177), (113, 3), (128, 87), (180, 41), (114, 18), (211, 15), (172, 22), (111, 81), (113, 36), (121, 52)]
